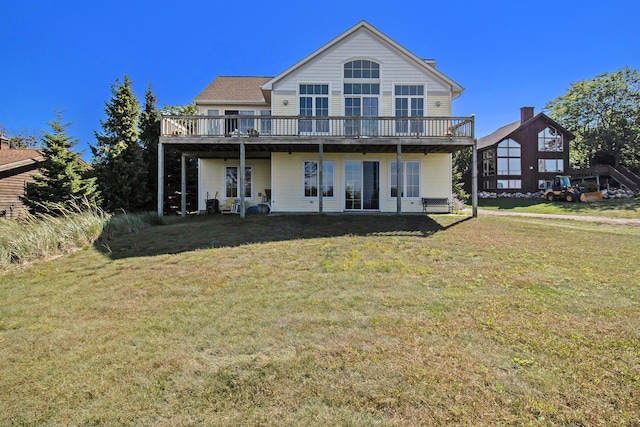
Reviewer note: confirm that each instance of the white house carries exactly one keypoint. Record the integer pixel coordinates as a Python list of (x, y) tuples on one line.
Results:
[(328, 133)]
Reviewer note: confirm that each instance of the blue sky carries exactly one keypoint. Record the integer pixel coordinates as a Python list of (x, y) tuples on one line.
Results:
[(64, 55)]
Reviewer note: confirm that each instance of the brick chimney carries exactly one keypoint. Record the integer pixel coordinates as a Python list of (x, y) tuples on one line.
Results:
[(4, 143), (525, 114)]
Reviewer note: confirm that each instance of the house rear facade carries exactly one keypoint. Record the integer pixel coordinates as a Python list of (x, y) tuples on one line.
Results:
[(359, 125), (523, 156)]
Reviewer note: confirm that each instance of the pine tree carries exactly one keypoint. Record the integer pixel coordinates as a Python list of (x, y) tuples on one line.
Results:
[(149, 138), (117, 158), (63, 178), (461, 160)]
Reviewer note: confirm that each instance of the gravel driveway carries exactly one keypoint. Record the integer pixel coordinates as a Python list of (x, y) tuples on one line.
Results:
[(631, 222)]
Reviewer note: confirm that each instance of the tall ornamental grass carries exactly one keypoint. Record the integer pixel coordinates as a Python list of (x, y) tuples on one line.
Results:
[(32, 237)]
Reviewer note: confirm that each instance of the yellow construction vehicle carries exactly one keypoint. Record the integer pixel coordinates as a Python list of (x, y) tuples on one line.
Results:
[(563, 190)]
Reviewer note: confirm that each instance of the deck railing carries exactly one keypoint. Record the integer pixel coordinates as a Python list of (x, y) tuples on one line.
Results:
[(329, 127)]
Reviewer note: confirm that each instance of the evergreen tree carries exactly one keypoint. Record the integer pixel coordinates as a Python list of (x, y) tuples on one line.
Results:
[(149, 138), (117, 158), (461, 161), (63, 180)]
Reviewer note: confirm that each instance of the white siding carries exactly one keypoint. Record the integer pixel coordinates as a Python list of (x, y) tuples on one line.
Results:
[(287, 192), (278, 100), (202, 109), (212, 179), (395, 68)]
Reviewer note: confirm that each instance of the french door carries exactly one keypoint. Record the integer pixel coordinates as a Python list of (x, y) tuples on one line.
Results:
[(361, 107), (362, 186)]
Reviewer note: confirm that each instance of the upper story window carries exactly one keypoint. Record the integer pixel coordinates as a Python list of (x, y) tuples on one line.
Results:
[(489, 162), (361, 69), (509, 158), (314, 102), (409, 102), (549, 139)]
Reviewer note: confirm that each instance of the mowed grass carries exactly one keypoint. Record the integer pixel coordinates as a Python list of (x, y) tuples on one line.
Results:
[(613, 208), (329, 320)]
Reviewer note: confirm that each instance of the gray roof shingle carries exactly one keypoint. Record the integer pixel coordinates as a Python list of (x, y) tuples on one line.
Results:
[(234, 88)]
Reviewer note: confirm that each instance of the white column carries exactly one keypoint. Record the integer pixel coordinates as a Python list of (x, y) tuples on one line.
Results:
[(160, 179), (399, 179), (241, 179), (183, 185), (320, 188), (474, 179)]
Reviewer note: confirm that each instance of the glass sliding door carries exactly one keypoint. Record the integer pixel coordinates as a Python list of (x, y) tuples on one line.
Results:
[(353, 186), (362, 185), (371, 185)]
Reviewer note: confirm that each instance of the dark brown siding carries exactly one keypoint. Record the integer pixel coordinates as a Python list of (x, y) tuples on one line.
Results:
[(527, 137), (11, 187)]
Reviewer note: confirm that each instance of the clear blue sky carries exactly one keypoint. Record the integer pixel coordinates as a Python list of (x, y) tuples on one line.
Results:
[(64, 55)]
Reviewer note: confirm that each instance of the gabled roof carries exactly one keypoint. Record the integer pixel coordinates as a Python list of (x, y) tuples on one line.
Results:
[(506, 131), (363, 25), (11, 159), (498, 135), (233, 90)]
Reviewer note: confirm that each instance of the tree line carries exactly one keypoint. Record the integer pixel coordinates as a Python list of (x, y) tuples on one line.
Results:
[(123, 172)]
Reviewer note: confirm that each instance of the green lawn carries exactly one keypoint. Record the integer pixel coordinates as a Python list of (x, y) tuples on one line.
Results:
[(616, 208), (329, 320)]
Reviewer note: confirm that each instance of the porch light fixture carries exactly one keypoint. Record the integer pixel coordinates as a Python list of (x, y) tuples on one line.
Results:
[(437, 103), (285, 102)]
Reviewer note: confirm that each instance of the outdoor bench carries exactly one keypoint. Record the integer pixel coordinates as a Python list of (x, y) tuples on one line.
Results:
[(435, 201)]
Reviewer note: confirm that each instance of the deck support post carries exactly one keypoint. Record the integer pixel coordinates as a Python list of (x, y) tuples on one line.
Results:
[(241, 179), (183, 185), (474, 178), (160, 179), (320, 188), (399, 188)]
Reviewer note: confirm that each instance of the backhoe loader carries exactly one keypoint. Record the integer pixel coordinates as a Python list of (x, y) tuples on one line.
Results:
[(563, 190)]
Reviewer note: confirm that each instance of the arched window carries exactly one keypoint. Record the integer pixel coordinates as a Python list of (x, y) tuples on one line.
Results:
[(361, 96), (509, 158), (549, 139), (361, 69)]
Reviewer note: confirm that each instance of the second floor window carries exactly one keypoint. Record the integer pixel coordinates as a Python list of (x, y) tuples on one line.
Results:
[(409, 102), (489, 162), (247, 124), (314, 102), (265, 124), (549, 139), (509, 158)]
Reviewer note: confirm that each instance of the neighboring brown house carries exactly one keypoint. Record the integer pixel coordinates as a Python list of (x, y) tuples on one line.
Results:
[(17, 167), (523, 156)]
